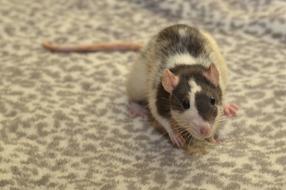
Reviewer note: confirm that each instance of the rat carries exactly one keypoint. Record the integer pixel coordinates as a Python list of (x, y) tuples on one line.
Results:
[(182, 76)]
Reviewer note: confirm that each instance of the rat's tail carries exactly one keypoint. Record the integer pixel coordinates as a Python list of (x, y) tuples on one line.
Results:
[(82, 48)]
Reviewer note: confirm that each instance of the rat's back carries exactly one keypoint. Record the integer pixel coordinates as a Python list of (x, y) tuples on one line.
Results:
[(174, 45)]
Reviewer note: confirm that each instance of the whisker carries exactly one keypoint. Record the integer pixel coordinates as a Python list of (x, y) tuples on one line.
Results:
[(180, 129), (190, 139), (184, 132)]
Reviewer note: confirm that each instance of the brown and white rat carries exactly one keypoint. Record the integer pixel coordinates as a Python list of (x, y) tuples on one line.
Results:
[(182, 76)]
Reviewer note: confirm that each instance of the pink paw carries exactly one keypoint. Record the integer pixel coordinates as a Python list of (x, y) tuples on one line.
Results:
[(136, 110), (230, 110), (177, 139)]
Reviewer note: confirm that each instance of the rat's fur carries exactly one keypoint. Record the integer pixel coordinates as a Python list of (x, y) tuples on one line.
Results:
[(173, 47)]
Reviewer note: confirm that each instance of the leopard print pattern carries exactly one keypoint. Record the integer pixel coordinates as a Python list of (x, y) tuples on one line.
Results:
[(64, 119)]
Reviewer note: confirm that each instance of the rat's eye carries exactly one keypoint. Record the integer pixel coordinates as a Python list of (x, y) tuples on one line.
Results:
[(212, 100), (186, 104)]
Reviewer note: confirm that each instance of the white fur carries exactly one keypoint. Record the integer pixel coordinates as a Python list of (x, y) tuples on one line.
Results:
[(194, 86), (137, 82), (181, 58), (187, 59)]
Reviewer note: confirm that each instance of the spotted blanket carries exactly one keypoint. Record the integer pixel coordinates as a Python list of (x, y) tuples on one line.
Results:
[(64, 122)]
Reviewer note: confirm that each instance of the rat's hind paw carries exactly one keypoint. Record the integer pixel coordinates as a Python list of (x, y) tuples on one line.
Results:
[(136, 110)]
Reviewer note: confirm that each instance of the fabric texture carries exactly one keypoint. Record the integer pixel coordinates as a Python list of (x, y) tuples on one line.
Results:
[(64, 121)]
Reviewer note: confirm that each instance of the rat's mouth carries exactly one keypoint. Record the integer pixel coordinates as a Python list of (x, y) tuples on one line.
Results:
[(196, 134), (191, 132), (199, 133), (199, 130)]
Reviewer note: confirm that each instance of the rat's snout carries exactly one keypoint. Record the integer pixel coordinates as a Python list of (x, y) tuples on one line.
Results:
[(205, 131), (202, 129)]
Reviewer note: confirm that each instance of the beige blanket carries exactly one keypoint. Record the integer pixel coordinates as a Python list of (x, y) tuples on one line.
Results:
[(63, 117)]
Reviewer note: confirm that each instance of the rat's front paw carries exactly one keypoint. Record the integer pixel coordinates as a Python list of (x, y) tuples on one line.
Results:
[(214, 140), (230, 110), (177, 139)]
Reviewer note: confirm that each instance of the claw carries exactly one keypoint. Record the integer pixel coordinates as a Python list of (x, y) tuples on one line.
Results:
[(214, 140), (177, 139)]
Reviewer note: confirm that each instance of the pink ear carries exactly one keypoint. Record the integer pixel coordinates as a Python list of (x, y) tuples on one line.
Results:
[(169, 80), (212, 74)]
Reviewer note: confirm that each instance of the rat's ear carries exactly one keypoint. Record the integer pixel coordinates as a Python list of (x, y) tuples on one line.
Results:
[(169, 80), (212, 74)]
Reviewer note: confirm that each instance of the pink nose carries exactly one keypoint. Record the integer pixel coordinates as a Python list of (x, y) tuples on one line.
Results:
[(204, 131)]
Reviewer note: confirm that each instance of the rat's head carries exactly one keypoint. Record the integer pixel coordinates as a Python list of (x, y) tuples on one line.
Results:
[(195, 98)]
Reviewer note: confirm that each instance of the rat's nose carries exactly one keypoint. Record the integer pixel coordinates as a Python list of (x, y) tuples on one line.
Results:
[(205, 131)]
